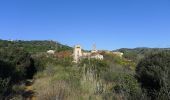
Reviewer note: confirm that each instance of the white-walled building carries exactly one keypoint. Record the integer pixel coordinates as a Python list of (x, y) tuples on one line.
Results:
[(79, 54), (50, 51), (97, 56), (120, 54), (86, 54)]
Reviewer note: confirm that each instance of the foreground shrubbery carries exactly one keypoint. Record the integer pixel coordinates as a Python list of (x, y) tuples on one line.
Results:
[(91, 79), (59, 81), (16, 65), (153, 72)]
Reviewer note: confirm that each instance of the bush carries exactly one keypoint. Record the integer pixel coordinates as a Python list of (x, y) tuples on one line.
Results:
[(127, 85), (153, 73), (16, 63), (3, 86), (95, 65), (6, 69)]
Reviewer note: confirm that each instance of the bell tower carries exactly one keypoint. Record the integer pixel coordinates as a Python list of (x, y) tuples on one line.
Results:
[(77, 53), (94, 50)]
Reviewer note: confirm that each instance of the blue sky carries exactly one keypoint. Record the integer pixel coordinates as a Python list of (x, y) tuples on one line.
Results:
[(110, 24)]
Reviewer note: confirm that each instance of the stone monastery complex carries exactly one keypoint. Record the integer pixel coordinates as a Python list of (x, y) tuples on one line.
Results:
[(78, 54)]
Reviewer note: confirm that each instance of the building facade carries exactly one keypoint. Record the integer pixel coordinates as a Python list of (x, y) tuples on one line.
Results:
[(78, 54)]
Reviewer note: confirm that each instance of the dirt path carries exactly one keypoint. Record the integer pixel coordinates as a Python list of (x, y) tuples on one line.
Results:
[(29, 92)]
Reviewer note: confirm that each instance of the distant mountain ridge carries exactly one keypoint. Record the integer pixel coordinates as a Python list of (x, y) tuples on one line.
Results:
[(141, 50), (138, 53)]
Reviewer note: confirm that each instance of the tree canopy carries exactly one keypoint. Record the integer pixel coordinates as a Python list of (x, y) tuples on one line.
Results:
[(154, 73)]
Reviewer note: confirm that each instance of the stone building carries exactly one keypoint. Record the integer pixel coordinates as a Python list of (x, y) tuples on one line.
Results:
[(50, 51), (97, 56), (78, 54)]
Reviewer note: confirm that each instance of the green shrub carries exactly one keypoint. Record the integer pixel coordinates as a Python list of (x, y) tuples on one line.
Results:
[(153, 73), (95, 65), (126, 84), (16, 65), (4, 85)]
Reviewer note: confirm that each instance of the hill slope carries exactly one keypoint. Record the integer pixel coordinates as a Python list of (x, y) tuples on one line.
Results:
[(137, 53), (35, 46)]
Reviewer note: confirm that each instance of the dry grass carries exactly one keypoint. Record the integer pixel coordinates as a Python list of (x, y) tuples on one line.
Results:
[(61, 86)]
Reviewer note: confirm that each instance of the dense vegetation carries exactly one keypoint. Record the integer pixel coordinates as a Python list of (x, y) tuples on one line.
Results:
[(19, 62), (141, 73), (35, 46), (153, 73), (138, 53), (16, 65)]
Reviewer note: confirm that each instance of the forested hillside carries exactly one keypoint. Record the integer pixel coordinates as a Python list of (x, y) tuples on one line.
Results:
[(35, 46), (137, 53)]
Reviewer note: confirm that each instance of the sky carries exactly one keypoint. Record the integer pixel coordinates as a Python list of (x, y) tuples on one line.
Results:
[(110, 24)]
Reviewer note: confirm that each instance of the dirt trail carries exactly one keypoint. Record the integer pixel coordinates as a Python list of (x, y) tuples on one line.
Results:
[(29, 93)]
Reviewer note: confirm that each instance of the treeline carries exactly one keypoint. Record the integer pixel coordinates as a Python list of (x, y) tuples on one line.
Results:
[(35, 46), (138, 53)]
